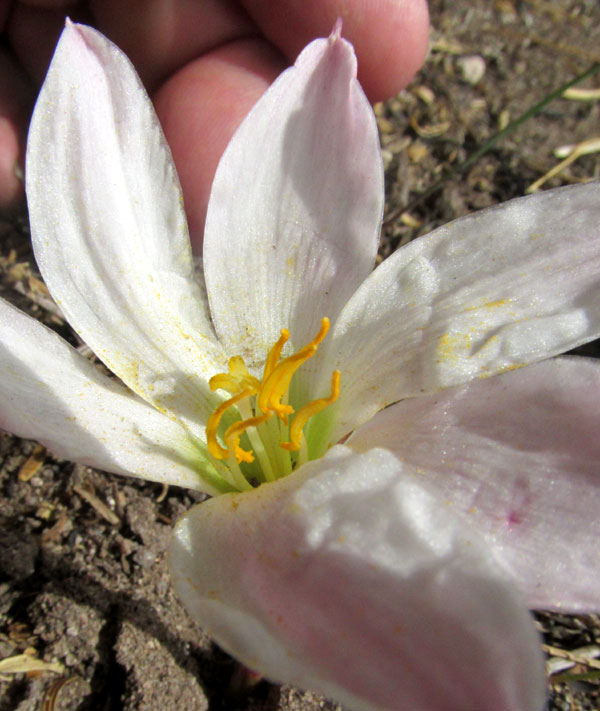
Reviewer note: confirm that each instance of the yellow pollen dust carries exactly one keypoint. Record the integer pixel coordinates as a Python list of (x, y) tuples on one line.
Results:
[(265, 398)]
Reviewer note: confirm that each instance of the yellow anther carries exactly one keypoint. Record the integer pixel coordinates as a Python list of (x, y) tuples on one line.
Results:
[(276, 385), (238, 369), (239, 378), (224, 381), (322, 332), (310, 409), (213, 424), (275, 353), (235, 431)]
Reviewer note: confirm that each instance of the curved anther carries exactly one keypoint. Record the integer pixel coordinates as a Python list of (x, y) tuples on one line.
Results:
[(275, 353), (276, 385), (310, 409), (235, 431), (239, 378), (215, 419)]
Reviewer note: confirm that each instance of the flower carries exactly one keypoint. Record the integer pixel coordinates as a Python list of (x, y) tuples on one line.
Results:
[(389, 571)]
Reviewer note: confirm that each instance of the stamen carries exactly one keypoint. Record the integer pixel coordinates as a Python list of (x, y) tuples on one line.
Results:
[(275, 353), (310, 409), (239, 378), (213, 423), (238, 369), (318, 339), (276, 385), (235, 431), (256, 404)]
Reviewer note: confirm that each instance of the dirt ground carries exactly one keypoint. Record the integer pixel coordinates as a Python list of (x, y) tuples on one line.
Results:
[(83, 580)]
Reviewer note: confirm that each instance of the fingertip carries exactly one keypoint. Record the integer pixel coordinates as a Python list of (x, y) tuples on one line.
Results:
[(389, 59), (390, 37)]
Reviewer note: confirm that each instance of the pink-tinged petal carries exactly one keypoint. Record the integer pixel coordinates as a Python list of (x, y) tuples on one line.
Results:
[(49, 392), (349, 578), (109, 230), (511, 285), (519, 456), (295, 209)]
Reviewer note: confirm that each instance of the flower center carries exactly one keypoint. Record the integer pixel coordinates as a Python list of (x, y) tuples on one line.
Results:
[(265, 413)]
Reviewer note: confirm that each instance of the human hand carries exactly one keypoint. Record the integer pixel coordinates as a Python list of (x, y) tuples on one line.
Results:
[(205, 64)]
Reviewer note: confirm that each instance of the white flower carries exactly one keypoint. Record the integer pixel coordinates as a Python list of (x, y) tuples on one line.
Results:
[(392, 571)]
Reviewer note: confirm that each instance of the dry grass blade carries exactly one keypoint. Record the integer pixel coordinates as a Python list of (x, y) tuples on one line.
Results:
[(592, 145), (99, 506), (25, 663)]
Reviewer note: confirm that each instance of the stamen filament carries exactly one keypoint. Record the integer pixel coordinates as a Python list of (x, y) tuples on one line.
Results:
[(256, 442), (239, 480), (265, 433), (284, 463), (225, 472)]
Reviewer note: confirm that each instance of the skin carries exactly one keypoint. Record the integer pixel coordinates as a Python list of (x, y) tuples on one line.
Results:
[(204, 62)]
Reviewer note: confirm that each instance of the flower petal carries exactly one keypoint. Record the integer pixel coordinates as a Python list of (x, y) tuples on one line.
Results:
[(349, 578), (51, 393), (495, 290), (295, 209), (519, 455), (109, 230)]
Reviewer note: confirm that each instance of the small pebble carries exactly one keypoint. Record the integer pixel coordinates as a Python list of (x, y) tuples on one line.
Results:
[(472, 68), (144, 557)]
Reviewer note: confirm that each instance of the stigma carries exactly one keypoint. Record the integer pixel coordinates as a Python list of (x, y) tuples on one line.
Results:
[(273, 427)]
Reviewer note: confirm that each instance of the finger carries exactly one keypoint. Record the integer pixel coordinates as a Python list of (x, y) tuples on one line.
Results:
[(390, 37), (201, 106), (160, 36)]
